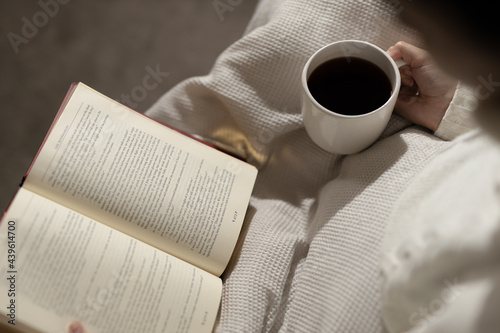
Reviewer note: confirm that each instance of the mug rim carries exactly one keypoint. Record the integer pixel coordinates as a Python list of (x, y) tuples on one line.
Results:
[(320, 107)]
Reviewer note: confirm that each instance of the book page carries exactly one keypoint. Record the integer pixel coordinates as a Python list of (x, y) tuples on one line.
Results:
[(65, 266), (138, 176)]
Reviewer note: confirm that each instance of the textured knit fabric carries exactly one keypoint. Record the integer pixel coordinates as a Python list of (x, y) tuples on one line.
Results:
[(309, 256)]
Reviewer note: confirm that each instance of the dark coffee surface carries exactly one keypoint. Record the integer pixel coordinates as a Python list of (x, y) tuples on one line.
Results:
[(350, 86)]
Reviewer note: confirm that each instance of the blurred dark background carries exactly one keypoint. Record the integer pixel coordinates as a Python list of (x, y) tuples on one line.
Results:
[(46, 45)]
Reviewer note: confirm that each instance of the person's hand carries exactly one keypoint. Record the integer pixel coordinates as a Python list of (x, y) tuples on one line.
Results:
[(426, 91), (76, 327)]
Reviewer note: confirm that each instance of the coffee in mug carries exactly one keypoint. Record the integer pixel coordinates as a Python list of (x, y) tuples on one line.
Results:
[(349, 86)]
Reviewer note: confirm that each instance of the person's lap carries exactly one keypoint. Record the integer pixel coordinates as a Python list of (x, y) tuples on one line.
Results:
[(309, 258)]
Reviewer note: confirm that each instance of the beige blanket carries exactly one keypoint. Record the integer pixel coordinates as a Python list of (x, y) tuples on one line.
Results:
[(310, 253)]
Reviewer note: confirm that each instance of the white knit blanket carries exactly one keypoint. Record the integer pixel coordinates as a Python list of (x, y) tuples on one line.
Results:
[(308, 259)]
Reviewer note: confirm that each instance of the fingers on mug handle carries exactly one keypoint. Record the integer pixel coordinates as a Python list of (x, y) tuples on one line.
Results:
[(406, 76), (413, 55)]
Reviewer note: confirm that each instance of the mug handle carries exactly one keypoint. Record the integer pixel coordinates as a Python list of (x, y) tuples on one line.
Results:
[(400, 63)]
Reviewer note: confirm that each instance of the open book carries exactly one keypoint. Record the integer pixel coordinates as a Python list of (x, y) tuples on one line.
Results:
[(121, 223)]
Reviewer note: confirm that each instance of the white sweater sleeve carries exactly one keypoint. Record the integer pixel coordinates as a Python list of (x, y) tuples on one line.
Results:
[(459, 117), (464, 308), (440, 270)]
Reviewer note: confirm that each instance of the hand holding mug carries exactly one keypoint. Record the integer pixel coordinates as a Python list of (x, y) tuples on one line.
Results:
[(426, 90)]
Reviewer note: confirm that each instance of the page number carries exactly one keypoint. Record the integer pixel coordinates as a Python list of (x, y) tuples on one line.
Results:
[(235, 216)]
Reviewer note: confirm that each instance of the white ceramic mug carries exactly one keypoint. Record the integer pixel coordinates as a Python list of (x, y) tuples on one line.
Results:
[(340, 133)]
